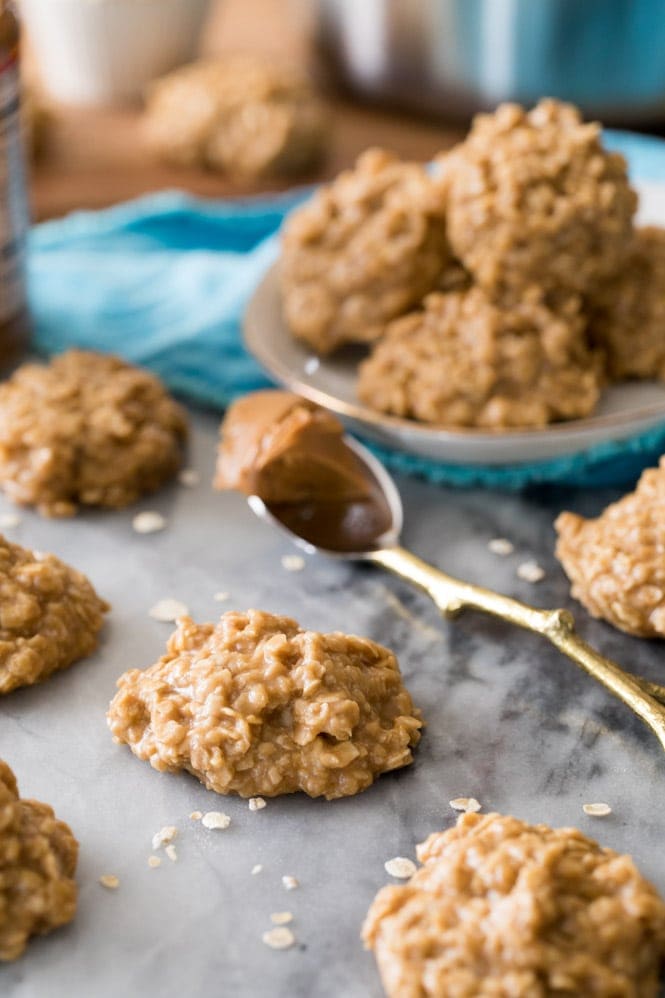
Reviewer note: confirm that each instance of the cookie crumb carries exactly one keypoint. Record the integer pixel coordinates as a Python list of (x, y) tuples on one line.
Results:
[(293, 563), (196, 815), (257, 868), (501, 546), (279, 938), (189, 478), (154, 862), (168, 610), (164, 836), (9, 520), (148, 522), (599, 810), (215, 820), (290, 883), (400, 867), (530, 571), (281, 917), (221, 597), (110, 881), (256, 803), (469, 804), (171, 853)]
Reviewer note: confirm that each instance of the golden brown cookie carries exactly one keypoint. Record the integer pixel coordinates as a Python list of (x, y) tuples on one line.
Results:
[(256, 706), (615, 562), (533, 198), (465, 361), (241, 115), (38, 857), (86, 429), (50, 616), (502, 908), (363, 250), (627, 313)]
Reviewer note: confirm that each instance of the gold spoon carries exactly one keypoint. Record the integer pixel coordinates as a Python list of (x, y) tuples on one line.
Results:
[(369, 530)]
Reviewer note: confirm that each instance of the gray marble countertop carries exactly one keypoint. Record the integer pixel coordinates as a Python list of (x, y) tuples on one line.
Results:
[(509, 721)]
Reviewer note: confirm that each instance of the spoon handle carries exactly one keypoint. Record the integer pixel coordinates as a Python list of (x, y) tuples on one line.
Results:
[(452, 596)]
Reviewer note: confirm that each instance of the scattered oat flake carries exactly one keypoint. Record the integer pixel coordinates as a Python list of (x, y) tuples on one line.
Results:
[(9, 520), (221, 597), (110, 881), (257, 868), (215, 820), (599, 810), (469, 804), (154, 862), (196, 815), (168, 610), (312, 364), (530, 571), (279, 938), (189, 478), (164, 836), (171, 853), (293, 563), (148, 522), (400, 867), (501, 546), (281, 917), (256, 803), (290, 883)]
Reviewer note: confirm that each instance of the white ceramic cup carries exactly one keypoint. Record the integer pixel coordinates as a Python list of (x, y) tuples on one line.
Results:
[(106, 51)]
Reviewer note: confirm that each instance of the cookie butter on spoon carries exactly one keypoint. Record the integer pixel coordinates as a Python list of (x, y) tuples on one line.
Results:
[(294, 457)]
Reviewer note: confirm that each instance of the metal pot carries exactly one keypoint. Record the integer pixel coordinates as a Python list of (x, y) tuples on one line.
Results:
[(460, 56)]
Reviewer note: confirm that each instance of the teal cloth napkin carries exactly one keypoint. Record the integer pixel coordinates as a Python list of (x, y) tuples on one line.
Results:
[(164, 280)]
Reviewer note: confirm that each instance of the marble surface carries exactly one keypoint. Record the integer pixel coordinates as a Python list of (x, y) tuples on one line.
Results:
[(509, 721)]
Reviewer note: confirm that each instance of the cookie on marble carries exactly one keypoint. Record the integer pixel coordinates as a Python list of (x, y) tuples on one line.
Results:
[(504, 908), (241, 115), (363, 250), (38, 856), (86, 429), (256, 706), (615, 562), (50, 616)]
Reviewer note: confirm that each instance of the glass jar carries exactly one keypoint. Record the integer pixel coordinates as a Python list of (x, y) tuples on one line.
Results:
[(14, 218)]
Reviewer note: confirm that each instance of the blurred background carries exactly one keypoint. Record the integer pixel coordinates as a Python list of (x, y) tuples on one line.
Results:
[(406, 74)]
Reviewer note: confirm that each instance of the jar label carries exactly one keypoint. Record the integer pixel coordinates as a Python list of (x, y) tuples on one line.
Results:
[(13, 200)]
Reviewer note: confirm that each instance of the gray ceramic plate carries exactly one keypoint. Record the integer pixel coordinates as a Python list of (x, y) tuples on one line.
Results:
[(624, 410)]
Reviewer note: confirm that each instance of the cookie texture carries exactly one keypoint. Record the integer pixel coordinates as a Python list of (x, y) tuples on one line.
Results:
[(50, 616), (465, 361), (627, 313), (255, 705), (615, 562), (86, 430), (533, 198), (38, 857), (240, 115), (502, 908), (363, 250)]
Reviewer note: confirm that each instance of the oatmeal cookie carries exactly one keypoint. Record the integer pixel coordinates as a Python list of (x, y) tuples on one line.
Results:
[(38, 857), (86, 429), (240, 115), (464, 361), (363, 250), (50, 616), (533, 198), (502, 908), (627, 314), (615, 562), (256, 706)]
